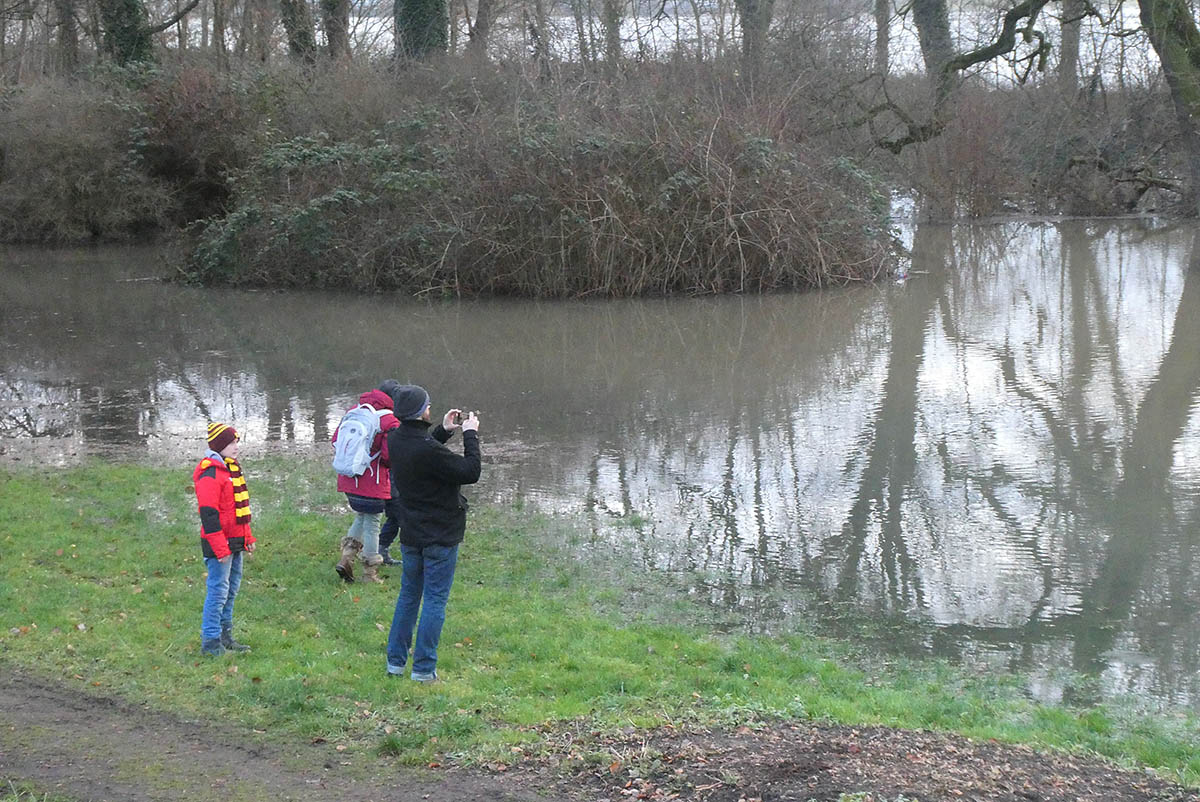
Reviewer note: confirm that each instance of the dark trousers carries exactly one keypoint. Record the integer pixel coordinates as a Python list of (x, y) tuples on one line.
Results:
[(391, 523)]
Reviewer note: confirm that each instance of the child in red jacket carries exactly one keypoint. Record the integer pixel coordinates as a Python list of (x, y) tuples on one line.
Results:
[(224, 503), (368, 494)]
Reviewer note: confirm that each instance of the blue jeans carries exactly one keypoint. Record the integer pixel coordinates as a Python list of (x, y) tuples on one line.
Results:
[(365, 526), (224, 579), (425, 584), (365, 529)]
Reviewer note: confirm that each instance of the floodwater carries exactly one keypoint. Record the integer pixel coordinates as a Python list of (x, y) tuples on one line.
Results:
[(997, 459)]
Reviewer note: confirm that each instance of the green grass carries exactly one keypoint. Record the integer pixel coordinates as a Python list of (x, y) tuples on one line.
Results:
[(101, 584), (14, 792)]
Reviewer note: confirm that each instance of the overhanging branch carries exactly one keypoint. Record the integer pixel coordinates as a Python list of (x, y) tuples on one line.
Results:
[(183, 12), (1005, 42)]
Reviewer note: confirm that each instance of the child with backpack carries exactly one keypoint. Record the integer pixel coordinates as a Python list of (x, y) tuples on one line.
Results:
[(360, 458)]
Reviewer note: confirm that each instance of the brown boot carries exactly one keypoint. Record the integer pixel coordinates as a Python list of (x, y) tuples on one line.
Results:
[(345, 566), (371, 569)]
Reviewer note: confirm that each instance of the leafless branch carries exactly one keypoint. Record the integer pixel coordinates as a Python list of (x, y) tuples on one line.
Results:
[(183, 12)]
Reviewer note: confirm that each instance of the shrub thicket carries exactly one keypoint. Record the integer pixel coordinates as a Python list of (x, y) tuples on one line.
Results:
[(460, 178), (549, 193), (1036, 150), (72, 168)]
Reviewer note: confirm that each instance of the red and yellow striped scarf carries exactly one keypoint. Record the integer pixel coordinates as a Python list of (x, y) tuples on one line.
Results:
[(241, 493)]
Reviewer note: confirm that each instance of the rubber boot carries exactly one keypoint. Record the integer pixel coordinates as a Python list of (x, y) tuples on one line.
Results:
[(350, 550), (371, 569), (230, 644), (212, 647)]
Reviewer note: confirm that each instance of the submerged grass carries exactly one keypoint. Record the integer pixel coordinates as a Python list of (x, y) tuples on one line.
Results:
[(101, 583)]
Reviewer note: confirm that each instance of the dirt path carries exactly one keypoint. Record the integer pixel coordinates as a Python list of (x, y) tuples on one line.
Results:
[(97, 749), (94, 748)]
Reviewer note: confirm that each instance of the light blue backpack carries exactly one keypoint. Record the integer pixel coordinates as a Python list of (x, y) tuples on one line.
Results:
[(352, 449)]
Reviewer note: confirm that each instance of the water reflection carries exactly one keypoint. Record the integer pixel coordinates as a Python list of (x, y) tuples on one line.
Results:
[(997, 459)]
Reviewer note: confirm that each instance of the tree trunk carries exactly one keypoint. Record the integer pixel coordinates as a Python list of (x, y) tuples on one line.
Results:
[(883, 21), (538, 46), (933, 34), (92, 26), (1068, 65), (422, 28), (264, 29), (126, 31), (45, 49), (611, 11), (245, 29), (22, 48), (756, 21), (218, 33), (335, 15), (181, 28), (480, 31), (298, 25), (1173, 33), (581, 33), (699, 17), (68, 38)]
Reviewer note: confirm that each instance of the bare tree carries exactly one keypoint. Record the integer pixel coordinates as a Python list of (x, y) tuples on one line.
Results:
[(1073, 13), (478, 33), (1172, 31), (335, 16), (68, 37), (883, 23), (943, 65), (220, 44), (611, 17), (581, 32), (755, 17), (298, 26)]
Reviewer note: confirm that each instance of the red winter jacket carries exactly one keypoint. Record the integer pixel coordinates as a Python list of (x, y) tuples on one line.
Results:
[(220, 532), (376, 481)]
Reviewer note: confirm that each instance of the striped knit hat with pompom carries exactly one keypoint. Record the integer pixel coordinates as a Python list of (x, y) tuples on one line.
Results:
[(220, 435)]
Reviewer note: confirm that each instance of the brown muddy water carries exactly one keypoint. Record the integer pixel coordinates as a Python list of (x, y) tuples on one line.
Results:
[(996, 460)]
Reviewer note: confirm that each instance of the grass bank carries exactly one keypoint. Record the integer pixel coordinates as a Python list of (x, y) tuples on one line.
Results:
[(101, 584), (12, 792)]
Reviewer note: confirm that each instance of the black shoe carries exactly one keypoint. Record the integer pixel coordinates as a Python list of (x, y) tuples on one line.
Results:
[(212, 648), (230, 644), (387, 558)]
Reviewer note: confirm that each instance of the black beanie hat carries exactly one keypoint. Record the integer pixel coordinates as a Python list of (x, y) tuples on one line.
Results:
[(409, 401), (390, 386)]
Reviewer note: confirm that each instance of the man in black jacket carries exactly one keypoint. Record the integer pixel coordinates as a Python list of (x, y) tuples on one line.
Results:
[(433, 512)]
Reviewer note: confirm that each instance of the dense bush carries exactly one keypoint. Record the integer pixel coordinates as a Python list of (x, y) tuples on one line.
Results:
[(132, 154), (555, 195), (453, 177), (72, 168), (1040, 151)]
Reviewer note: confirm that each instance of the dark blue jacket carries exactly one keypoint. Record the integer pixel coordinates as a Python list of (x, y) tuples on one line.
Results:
[(428, 478)]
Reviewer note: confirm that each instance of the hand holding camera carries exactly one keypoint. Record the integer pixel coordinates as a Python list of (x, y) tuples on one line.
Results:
[(456, 418)]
